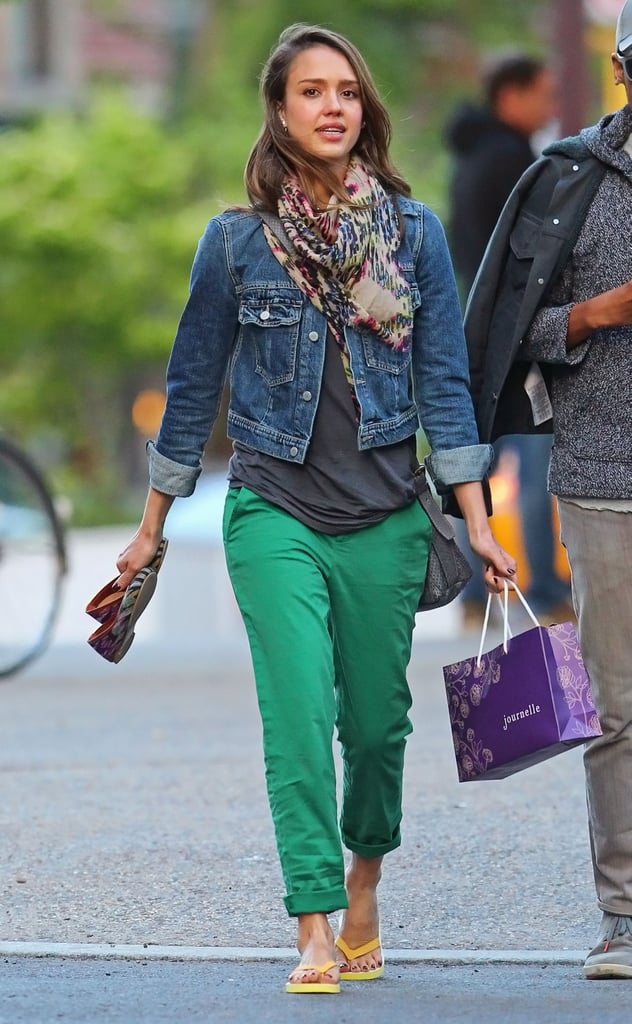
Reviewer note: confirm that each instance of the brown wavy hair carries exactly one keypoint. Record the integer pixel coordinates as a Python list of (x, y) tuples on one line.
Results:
[(275, 155)]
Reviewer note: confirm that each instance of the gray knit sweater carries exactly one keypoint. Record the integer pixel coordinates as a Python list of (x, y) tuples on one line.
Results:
[(592, 383)]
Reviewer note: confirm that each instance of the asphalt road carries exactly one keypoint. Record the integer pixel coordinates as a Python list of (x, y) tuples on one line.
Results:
[(155, 992), (133, 811)]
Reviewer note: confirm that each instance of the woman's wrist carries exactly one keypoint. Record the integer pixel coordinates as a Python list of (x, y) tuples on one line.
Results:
[(471, 501), (156, 508)]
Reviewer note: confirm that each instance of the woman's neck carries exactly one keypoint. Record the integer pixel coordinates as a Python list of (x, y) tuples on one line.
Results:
[(322, 193)]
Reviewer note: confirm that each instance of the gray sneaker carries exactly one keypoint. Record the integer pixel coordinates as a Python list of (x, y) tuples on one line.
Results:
[(612, 956)]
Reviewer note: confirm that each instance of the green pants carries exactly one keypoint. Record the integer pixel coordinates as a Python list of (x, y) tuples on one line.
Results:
[(329, 621)]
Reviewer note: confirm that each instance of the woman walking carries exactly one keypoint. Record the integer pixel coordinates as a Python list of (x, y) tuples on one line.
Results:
[(330, 302)]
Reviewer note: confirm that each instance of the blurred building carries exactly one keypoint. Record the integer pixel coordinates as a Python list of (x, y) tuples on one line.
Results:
[(52, 50)]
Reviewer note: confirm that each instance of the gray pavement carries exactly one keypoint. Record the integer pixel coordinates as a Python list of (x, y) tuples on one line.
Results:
[(133, 812), (157, 992)]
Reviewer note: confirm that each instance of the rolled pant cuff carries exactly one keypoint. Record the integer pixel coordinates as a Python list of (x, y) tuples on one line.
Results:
[(324, 902), (369, 852)]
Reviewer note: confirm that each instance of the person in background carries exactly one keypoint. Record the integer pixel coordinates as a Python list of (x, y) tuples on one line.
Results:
[(491, 145), (331, 304), (556, 288)]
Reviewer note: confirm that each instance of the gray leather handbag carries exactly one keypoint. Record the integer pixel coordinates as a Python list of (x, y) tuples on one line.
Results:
[(448, 569)]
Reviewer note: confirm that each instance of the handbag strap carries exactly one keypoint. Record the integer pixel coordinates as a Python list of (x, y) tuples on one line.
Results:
[(276, 227), (429, 505)]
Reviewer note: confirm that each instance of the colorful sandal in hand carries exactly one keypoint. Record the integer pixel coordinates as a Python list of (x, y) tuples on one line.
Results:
[(113, 639), (346, 971), (103, 605)]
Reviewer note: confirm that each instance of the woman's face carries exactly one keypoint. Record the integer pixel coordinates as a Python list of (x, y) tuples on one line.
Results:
[(322, 108)]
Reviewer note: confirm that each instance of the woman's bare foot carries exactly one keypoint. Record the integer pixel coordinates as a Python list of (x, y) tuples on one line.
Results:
[(315, 943), (361, 922)]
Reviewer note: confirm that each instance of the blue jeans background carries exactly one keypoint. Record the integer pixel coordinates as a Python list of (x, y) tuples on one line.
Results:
[(546, 588)]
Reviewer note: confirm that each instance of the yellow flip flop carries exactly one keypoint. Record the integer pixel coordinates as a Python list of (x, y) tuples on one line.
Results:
[(353, 954), (314, 986)]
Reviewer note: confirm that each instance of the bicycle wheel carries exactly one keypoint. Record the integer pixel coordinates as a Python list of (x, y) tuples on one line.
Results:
[(32, 560)]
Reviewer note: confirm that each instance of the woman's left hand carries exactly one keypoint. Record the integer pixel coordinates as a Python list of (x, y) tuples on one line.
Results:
[(498, 563)]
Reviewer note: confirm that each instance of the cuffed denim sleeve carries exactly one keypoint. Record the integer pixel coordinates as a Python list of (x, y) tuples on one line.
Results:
[(170, 477), (440, 369), (459, 465)]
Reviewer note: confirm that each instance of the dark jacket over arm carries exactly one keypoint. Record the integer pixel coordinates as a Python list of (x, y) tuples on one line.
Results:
[(530, 244)]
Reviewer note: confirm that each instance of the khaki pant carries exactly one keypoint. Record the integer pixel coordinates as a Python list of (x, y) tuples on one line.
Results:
[(599, 545)]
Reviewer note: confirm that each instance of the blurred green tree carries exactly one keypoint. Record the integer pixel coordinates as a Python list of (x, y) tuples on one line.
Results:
[(100, 211), (99, 217)]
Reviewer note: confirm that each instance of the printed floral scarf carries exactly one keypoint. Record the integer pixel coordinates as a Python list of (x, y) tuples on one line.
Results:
[(346, 260)]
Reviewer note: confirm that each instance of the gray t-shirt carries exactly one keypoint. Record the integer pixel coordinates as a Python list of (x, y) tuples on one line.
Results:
[(338, 489)]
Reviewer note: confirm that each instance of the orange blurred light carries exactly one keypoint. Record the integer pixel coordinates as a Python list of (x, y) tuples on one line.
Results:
[(147, 410), (504, 488)]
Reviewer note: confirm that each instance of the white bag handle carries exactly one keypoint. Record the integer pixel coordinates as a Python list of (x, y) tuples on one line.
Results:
[(504, 604)]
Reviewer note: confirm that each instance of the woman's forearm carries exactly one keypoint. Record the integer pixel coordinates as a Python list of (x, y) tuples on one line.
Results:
[(497, 562), (145, 541), (471, 501), (157, 507)]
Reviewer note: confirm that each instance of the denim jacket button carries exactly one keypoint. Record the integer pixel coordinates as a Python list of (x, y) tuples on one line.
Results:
[(306, 396), (293, 451), (313, 335), (264, 314)]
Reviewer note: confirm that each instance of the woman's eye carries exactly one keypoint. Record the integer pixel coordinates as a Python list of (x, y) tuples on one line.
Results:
[(350, 94), (311, 92)]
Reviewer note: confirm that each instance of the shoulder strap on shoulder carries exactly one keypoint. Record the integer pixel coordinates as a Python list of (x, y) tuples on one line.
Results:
[(276, 227)]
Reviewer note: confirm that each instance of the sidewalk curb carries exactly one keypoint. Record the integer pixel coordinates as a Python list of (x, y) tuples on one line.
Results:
[(446, 957)]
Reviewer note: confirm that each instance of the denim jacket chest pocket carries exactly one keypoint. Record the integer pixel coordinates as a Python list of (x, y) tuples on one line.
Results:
[(269, 333)]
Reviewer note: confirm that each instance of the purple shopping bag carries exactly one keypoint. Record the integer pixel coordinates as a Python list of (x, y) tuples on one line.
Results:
[(522, 702)]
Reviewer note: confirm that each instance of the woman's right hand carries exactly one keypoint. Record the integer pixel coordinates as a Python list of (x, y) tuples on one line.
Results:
[(136, 555), (144, 544)]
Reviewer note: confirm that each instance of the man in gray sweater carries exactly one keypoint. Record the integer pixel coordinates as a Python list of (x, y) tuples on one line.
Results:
[(549, 327)]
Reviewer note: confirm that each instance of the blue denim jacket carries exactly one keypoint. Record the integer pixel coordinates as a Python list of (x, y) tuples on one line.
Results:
[(245, 317)]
